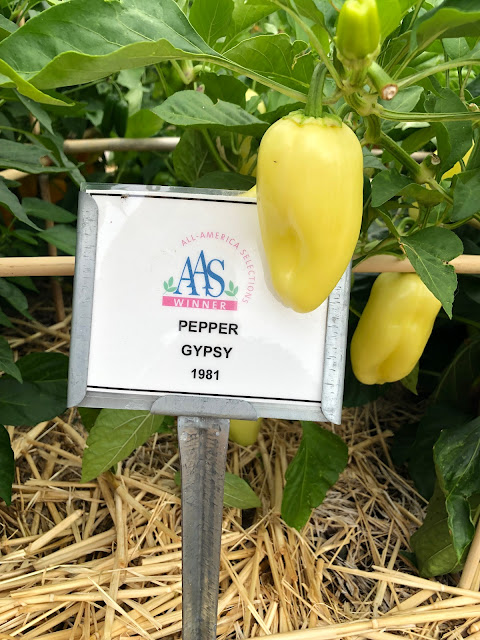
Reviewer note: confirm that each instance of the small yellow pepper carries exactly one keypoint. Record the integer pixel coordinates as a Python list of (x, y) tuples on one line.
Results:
[(244, 432), (457, 167), (309, 194), (394, 328)]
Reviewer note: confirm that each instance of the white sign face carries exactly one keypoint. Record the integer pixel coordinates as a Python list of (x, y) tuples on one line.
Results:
[(182, 304)]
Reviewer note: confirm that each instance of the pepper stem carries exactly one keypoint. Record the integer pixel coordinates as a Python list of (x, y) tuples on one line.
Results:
[(314, 106)]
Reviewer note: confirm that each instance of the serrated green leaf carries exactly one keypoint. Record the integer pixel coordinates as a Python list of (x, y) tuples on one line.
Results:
[(61, 236), (457, 461), (428, 250), (115, 434), (7, 466), (6, 361), (195, 109), (41, 396), (432, 542), (321, 458)]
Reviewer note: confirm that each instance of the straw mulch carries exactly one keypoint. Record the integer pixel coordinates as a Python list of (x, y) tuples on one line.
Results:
[(101, 560)]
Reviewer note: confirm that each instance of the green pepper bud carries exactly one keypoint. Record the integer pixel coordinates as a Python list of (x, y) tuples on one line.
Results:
[(358, 33)]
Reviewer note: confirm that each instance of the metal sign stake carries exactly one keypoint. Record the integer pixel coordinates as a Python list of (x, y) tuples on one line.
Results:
[(203, 446)]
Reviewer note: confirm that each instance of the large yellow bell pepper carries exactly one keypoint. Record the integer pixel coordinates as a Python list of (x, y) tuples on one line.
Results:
[(394, 328), (309, 193)]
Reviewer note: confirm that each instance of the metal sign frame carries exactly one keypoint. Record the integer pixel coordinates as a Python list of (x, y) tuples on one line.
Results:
[(79, 394)]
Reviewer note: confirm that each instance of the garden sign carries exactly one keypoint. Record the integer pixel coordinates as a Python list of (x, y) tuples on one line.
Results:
[(174, 313)]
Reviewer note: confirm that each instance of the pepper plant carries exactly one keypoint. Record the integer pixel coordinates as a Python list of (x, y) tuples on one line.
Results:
[(401, 74)]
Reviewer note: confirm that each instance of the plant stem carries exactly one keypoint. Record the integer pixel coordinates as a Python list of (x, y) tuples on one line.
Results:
[(213, 150), (314, 106), (439, 68), (315, 42), (400, 154), (399, 116)]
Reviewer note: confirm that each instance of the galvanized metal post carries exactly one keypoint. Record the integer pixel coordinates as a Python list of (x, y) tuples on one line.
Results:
[(203, 451)]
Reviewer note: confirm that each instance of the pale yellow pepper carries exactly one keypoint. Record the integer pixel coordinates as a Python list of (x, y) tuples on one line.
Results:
[(309, 194), (245, 432), (394, 328)]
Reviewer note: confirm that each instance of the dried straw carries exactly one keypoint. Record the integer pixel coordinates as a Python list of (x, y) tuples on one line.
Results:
[(102, 560)]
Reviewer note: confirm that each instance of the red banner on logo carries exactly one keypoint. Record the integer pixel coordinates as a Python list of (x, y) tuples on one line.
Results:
[(199, 303)]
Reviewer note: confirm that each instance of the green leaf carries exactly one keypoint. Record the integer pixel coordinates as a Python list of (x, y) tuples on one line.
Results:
[(25, 157), (6, 361), (420, 465), (386, 185), (88, 416), (428, 250), (192, 157), (6, 27), (321, 458), (451, 19), (457, 461), (457, 383), (224, 87), (276, 58), (195, 109), (235, 291), (404, 101), (43, 393), (211, 18), (46, 210), (61, 236), (225, 180), (428, 197), (37, 112), (123, 35), (410, 382), (143, 124), (454, 139), (170, 281), (370, 161), (246, 14), (15, 297), (116, 433), (432, 542), (10, 202), (466, 195), (455, 47), (7, 466), (237, 493)]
